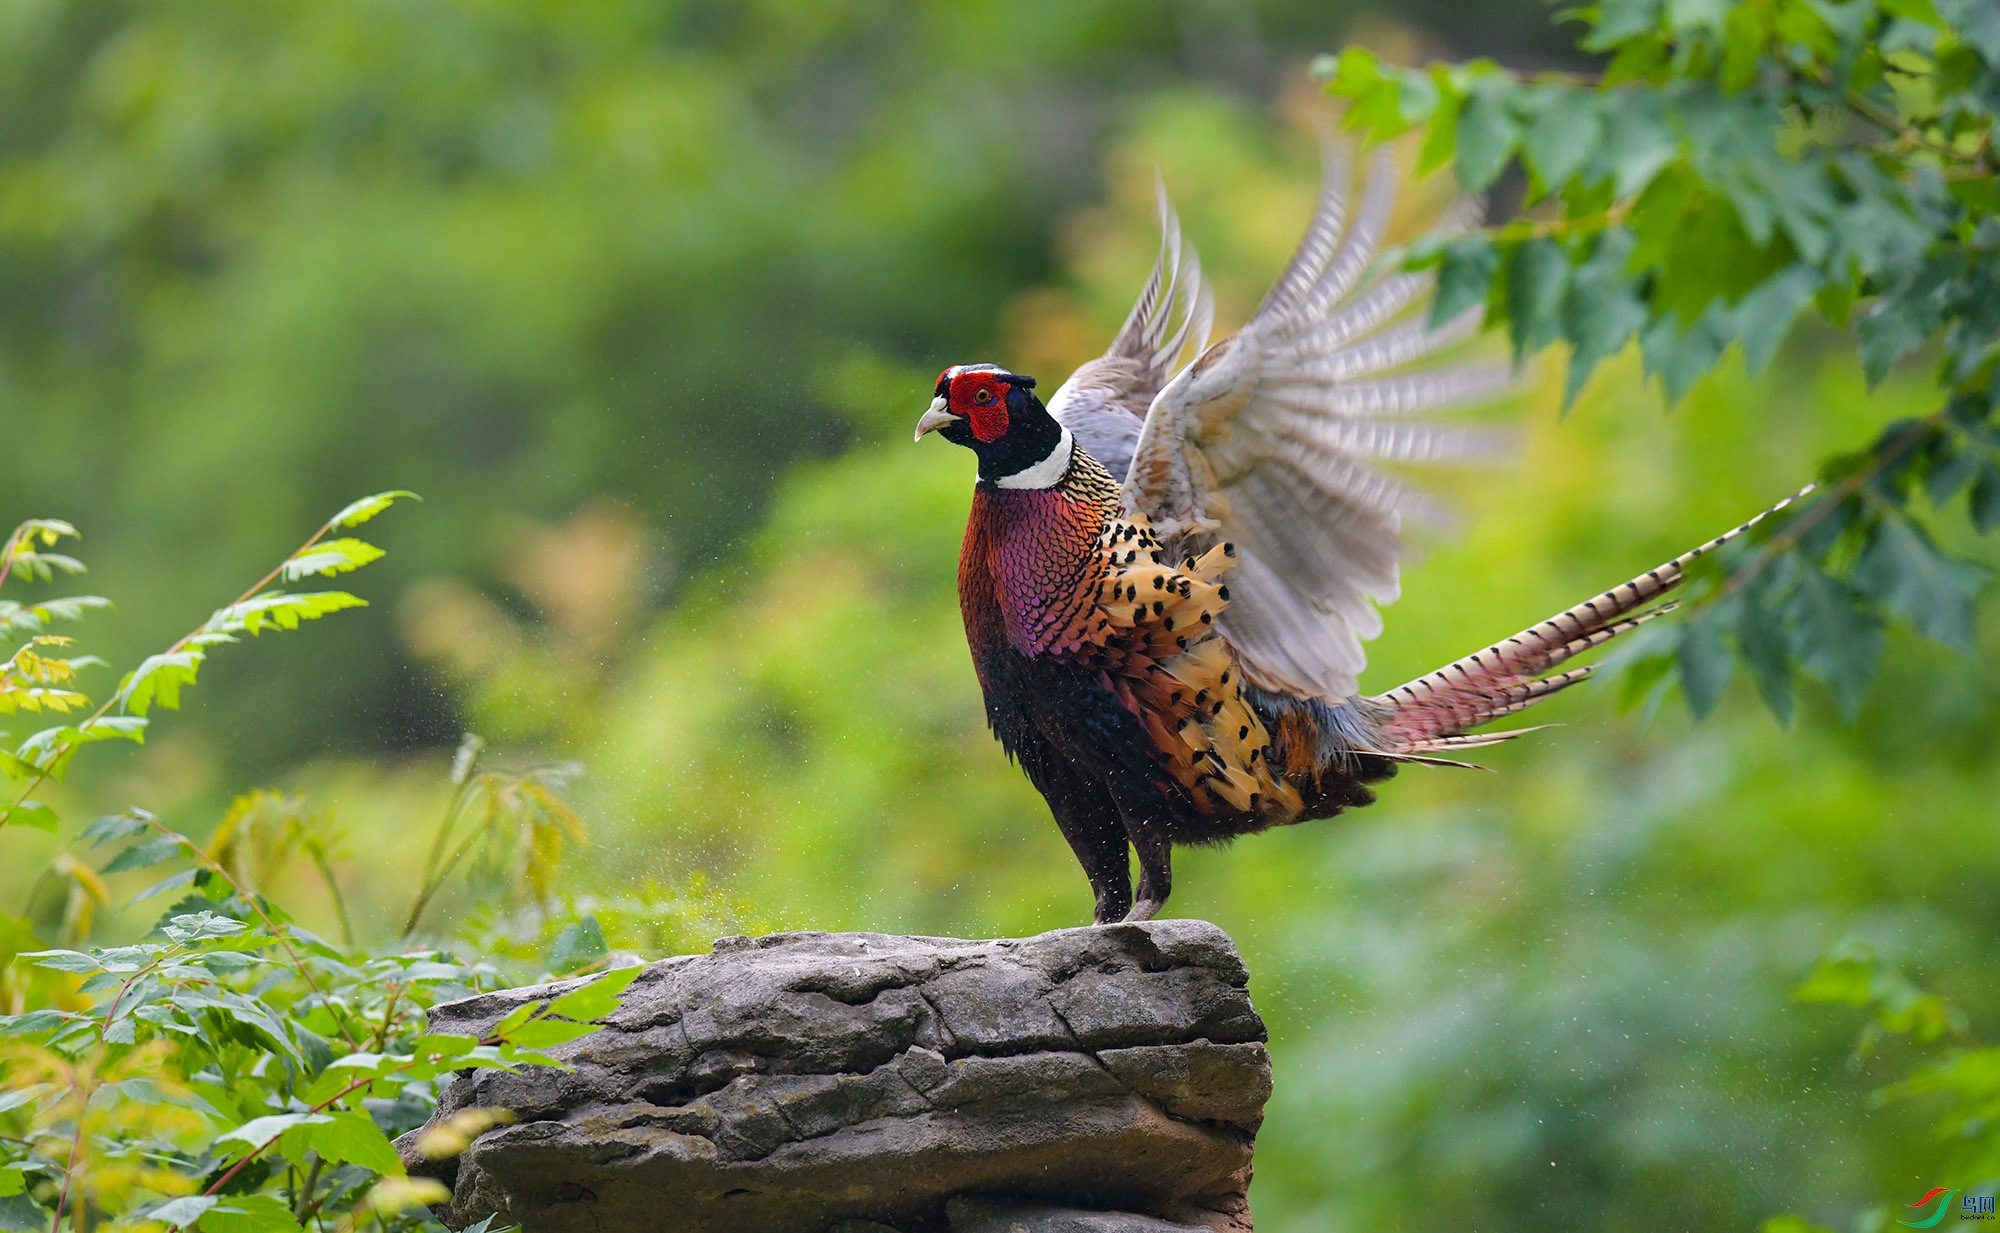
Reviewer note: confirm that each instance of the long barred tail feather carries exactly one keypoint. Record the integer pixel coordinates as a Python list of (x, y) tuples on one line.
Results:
[(1434, 712)]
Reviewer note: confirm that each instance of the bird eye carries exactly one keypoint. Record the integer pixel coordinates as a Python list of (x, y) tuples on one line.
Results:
[(983, 397)]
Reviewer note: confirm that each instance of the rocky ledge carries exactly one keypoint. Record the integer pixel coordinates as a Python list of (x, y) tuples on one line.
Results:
[(1091, 1080)]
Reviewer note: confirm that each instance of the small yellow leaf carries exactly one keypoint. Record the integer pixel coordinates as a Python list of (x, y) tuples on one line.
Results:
[(395, 1194), (456, 1133)]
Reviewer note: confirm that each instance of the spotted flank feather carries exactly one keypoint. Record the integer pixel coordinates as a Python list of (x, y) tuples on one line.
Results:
[(1154, 633)]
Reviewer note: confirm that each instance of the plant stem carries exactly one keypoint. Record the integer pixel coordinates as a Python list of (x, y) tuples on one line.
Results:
[(7, 554), (395, 992), (423, 900), (307, 1205), (1893, 124), (318, 857), (452, 808), (216, 1185), (75, 1146)]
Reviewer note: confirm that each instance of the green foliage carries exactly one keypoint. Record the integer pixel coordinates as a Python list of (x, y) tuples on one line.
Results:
[(1735, 164), (230, 1071), (1959, 1086), (516, 824), (33, 681)]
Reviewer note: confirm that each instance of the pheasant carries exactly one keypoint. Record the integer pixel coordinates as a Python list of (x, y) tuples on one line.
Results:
[(1168, 572)]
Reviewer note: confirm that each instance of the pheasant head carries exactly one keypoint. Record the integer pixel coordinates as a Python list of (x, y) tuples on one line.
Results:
[(995, 414)]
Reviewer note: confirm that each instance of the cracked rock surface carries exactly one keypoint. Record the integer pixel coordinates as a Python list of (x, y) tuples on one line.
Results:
[(806, 1081)]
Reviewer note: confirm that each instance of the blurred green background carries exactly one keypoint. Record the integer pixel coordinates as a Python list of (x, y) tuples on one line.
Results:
[(643, 298)]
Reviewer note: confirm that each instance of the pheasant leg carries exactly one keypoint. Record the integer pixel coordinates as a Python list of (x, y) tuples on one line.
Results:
[(1156, 872)]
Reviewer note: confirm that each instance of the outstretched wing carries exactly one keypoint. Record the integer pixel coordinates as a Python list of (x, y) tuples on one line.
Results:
[(1104, 402), (1269, 439)]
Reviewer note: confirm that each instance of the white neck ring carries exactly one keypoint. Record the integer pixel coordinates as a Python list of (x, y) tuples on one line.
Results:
[(1048, 472)]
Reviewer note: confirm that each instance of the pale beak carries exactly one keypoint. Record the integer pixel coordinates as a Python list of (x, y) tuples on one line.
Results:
[(935, 418)]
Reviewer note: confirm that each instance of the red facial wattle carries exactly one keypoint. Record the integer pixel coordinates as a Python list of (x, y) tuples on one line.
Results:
[(982, 400)]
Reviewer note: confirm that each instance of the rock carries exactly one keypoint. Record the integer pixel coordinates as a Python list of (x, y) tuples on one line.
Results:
[(806, 1082), (977, 1215)]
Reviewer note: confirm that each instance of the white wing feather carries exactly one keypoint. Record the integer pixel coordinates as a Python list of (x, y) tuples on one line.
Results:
[(1268, 438), (1104, 402)]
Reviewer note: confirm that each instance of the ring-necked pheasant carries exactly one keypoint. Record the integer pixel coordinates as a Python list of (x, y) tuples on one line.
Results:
[(1168, 575)]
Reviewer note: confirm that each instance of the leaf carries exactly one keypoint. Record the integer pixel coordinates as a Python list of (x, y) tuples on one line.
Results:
[(329, 557), (1704, 661), (170, 883), (1355, 71), (443, 1140), (1465, 277), (1888, 330), (33, 618), (248, 1213), (1637, 141), (1615, 21), (395, 1194), (1486, 134), (181, 1212), (1768, 656), (51, 749), (367, 507), (580, 943), (32, 814), (1934, 592), (1563, 135), (1985, 498), (515, 1018), (199, 926), (1977, 22), (258, 1131), (1537, 275), (547, 1033), (1835, 637), (1601, 309), (144, 855), (1949, 468), (24, 1095), (1744, 39), (11, 1181), (1441, 135), (1680, 357), (111, 728), (597, 999), (349, 1138), (276, 609), (159, 678), (1765, 316), (34, 1021), (64, 960), (115, 826)]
